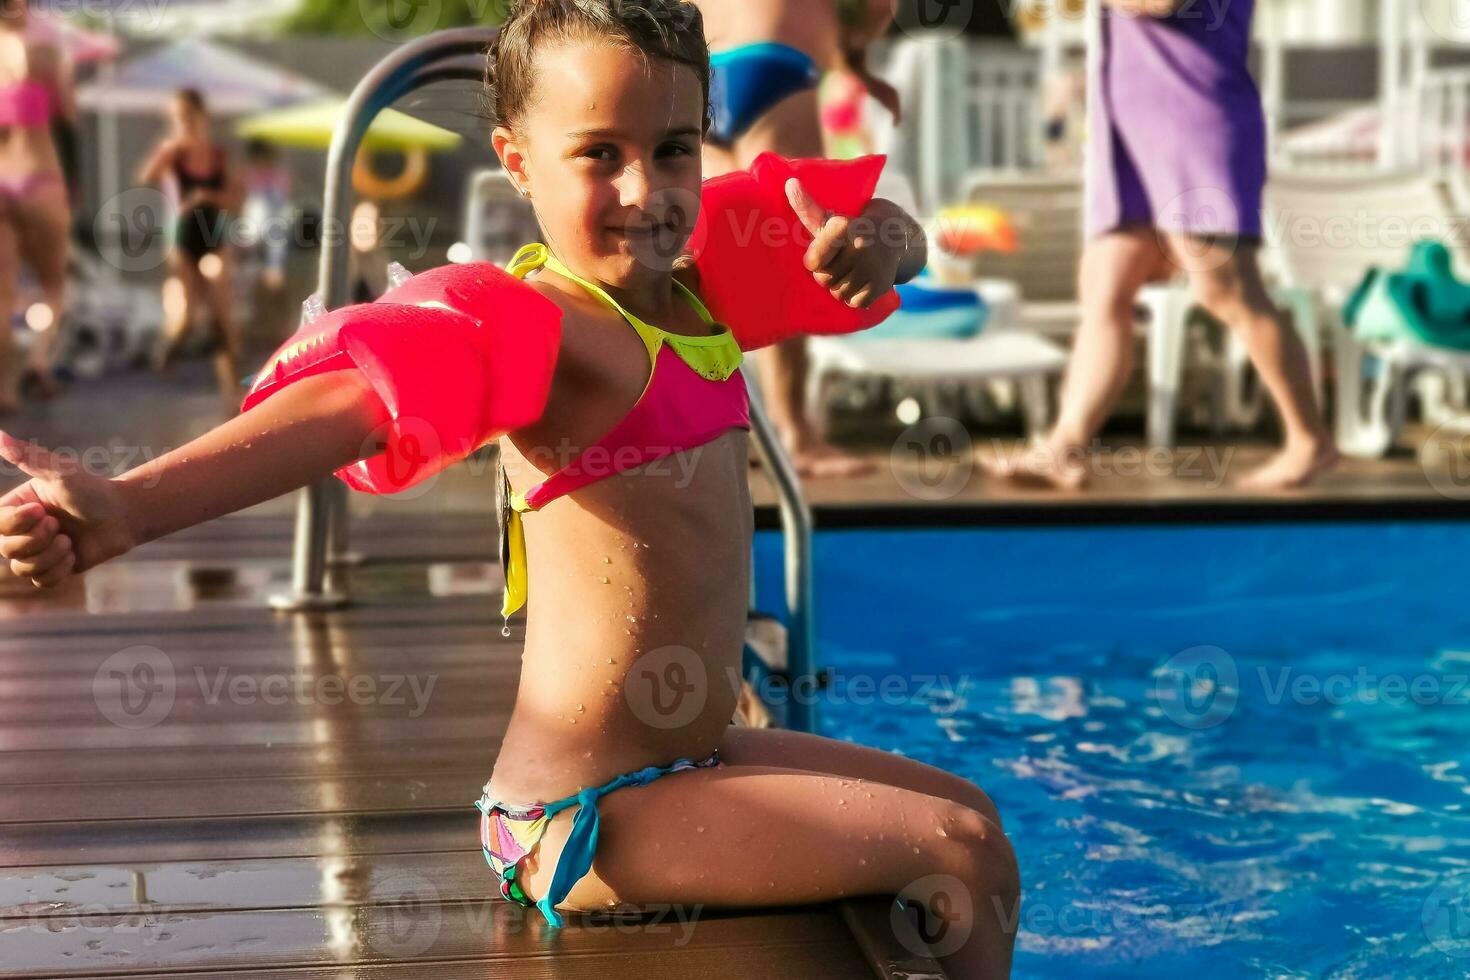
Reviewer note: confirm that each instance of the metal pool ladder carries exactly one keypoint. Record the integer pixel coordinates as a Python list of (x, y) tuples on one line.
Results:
[(322, 516)]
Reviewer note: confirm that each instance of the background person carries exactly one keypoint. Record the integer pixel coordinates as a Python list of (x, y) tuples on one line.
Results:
[(35, 213), (199, 261)]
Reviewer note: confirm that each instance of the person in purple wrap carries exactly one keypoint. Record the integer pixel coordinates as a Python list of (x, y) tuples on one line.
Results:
[(1177, 163)]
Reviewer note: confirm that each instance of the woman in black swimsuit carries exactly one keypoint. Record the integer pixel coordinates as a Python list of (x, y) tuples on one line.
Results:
[(200, 259)]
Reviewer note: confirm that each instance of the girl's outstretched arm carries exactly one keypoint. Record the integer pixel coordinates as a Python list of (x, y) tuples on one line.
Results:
[(66, 520)]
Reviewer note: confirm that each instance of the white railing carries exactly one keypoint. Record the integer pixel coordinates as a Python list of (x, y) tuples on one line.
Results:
[(1430, 134), (967, 107), (1441, 120)]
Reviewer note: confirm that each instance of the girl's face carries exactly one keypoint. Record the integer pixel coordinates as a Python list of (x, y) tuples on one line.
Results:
[(609, 151)]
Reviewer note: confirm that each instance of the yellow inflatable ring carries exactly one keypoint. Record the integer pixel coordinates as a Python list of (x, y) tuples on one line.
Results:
[(367, 182)]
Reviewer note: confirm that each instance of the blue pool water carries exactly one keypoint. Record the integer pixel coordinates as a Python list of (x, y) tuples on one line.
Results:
[(1220, 751)]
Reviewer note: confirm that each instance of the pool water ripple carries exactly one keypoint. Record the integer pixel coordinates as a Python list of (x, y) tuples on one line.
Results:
[(1318, 827)]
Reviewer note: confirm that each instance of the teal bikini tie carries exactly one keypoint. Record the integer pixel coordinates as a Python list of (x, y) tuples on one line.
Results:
[(576, 857)]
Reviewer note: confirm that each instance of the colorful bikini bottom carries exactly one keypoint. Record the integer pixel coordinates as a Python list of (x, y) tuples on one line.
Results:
[(509, 832)]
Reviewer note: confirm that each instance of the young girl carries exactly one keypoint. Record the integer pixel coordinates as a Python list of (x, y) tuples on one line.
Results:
[(600, 798)]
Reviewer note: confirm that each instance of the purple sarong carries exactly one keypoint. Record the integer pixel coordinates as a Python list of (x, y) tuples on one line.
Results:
[(1178, 135)]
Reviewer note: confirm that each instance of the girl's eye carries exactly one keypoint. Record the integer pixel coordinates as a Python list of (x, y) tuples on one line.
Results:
[(678, 149), (599, 153)]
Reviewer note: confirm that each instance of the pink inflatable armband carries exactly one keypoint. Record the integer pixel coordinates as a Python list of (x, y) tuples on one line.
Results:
[(460, 355), (749, 247)]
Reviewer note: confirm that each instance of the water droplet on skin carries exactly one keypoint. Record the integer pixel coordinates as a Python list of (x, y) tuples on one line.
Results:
[(505, 631), (941, 832), (631, 618), (606, 560), (611, 660), (574, 721), (700, 829), (862, 860), (581, 708), (603, 580), (627, 631), (916, 850)]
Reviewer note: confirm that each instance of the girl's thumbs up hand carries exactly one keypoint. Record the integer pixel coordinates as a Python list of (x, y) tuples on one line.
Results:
[(63, 521), (857, 259)]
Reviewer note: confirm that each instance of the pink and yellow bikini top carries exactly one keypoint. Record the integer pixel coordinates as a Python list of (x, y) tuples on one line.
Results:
[(694, 394), (25, 103)]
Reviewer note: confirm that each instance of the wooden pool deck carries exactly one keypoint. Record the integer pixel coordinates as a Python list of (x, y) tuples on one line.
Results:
[(168, 812), (246, 833)]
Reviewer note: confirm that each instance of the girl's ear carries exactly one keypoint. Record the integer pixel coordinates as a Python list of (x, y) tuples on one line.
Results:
[(512, 157)]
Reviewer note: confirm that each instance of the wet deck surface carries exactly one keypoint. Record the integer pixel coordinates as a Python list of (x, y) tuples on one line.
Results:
[(192, 784)]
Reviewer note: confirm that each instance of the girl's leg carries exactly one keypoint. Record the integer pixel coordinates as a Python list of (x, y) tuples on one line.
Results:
[(220, 291), (9, 274), (1114, 267), (747, 836), (813, 753), (44, 227), (1226, 279)]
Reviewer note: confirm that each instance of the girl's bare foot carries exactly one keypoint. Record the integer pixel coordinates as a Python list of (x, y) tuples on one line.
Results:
[(1299, 463), (1041, 465)]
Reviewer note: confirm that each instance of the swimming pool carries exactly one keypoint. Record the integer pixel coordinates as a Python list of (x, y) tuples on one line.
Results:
[(1236, 750)]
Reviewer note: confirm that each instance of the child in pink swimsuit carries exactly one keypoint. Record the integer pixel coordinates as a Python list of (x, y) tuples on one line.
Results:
[(620, 782)]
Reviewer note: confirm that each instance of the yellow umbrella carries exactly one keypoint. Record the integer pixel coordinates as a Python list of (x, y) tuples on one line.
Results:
[(310, 126)]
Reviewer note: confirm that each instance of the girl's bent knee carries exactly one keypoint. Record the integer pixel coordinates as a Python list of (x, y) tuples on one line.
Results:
[(981, 854), (979, 801)]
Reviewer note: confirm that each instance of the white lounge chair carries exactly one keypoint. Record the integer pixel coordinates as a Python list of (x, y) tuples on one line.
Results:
[(1005, 350), (1327, 232)]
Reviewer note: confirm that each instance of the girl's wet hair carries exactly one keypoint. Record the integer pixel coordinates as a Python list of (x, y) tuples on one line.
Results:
[(672, 30)]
